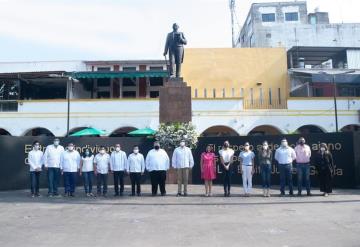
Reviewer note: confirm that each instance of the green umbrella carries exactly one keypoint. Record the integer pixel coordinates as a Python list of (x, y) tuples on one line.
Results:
[(89, 132), (142, 132)]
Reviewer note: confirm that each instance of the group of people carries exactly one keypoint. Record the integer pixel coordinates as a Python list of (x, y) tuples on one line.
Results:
[(285, 156), (69, 163)]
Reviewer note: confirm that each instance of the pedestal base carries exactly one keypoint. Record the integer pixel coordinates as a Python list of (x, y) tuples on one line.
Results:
[(175, 102)]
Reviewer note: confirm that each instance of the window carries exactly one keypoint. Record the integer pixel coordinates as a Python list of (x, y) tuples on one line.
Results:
[(103, 69), (129, 82), (154, 94), (156, 81), (103, 95), (103, 82), (129, 94), (268, 17), (129, 68), (156, 68), (270, 97), (292, 16)]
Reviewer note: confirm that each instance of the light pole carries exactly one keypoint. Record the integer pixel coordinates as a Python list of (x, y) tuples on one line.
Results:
[(335, 93), (69, 84)]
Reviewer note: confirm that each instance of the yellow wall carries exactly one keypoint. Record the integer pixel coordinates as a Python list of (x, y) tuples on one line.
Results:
[(236, 68)]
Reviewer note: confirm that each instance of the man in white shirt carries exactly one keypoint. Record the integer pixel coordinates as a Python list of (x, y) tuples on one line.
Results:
[(35, 160), (285, 156), (303, 155), (135, 167), (118, 162), (70, 165), (102, 165), (157, 163), (182, 161), (52, 165), (226, 159)]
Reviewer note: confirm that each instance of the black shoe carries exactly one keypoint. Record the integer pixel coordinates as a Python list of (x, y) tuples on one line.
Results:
[(121, 194), (282, 194), (225, 194), (308, 194), (116, 194), (153, 194), (299, 193), (185, 194), (138, 194), (72, 195), (163, 194), (178, 194), (228, 194), (132, 194), (291, 193)]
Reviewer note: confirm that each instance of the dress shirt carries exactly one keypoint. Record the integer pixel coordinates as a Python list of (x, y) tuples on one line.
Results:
[(87, 164), (135, 163), (157, 160), (285, 155), (226, 154), (102, 163), (247, 158), (35, 159), (70, 161), (182, 158), (118, 161), (303, 154), (52, 155)]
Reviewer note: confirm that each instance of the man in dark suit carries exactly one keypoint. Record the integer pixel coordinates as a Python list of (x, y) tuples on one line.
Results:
[(175, 42)]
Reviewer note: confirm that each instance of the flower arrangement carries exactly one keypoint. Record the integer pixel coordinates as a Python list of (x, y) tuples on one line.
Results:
[(169, 135)]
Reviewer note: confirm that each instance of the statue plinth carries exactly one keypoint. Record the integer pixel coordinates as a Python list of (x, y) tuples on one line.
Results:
[(175, 101)]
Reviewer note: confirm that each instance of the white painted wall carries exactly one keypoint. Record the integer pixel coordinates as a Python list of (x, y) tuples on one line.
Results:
[(110, 115)]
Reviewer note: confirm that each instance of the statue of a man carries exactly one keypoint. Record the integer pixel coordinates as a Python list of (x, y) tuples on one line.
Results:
[(175, 42)]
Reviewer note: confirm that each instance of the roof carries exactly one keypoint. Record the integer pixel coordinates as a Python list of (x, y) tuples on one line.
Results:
[(118, 74), (316, 55), (327, 75), (41, 66)]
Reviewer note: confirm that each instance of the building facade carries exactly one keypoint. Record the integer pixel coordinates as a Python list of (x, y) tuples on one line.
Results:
[(288, 24), (234, 92)]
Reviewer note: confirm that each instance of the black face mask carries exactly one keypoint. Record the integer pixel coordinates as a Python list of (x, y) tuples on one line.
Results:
[(302, 142), (157, 147)]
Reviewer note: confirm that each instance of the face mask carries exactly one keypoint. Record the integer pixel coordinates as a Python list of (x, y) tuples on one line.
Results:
[(136, 151), (157, 147), (36, 147), (102, 151), (265, 147), (226, 145), (247, 148), (284, 144), (117, 149), (87, 153), (302, 142), (182, 144), (322, 149), (70, 148)]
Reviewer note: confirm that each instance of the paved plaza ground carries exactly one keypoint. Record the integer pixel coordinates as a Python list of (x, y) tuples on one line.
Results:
[(172, 221)]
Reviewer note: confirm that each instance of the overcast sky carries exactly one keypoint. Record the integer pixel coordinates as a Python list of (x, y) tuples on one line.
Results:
[(124, 29)]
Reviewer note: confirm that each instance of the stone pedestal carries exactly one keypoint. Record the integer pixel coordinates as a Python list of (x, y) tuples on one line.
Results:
[(175, 107), (175, 102)]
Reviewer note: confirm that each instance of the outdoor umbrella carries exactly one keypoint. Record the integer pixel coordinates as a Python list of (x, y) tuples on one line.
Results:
[(143, 132), (89, 132)]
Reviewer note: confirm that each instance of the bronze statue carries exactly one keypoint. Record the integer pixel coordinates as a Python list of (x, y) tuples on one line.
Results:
[(175, 42)]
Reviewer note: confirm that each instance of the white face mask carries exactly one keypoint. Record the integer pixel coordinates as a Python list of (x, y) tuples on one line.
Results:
[(247, 148), (36, 147), (117, 149), (136, 151), (322, 149), (71, 148), (182, 144), (56, 143), (265, 147), (284, 144), (102, 151)]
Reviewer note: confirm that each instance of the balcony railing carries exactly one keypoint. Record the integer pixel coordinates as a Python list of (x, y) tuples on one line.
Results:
[(8, 106), (265, 104)]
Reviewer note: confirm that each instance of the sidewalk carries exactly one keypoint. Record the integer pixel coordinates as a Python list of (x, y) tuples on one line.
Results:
[(180, 221)]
